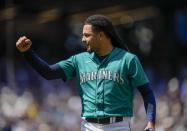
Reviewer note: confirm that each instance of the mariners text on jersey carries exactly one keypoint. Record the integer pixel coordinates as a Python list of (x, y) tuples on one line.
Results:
[(101, 74)]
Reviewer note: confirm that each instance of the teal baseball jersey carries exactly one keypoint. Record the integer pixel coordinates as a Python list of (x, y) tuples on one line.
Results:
[(105, 87)]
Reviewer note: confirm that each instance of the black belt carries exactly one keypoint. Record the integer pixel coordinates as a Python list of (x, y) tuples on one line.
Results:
[(107, 120)]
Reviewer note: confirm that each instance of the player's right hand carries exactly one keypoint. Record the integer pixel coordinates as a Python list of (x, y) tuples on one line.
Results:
[(23, 44)]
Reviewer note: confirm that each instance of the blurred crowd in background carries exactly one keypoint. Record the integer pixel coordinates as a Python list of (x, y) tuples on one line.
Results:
[(155, 31)]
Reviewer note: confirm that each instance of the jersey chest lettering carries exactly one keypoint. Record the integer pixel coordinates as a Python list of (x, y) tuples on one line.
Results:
[(101, 74)]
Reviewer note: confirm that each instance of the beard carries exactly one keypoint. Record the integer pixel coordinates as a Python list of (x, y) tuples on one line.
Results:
[(88, 48)]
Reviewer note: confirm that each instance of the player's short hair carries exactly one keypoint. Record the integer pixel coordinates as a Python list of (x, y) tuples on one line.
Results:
[(102, 23)]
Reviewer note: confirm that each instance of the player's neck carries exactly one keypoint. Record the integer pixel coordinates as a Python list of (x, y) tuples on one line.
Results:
[(105, 49)]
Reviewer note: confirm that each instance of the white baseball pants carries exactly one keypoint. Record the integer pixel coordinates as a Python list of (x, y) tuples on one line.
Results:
[(117, 126)]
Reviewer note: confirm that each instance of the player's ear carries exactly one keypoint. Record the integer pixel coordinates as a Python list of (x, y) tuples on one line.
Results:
[(101, 35)]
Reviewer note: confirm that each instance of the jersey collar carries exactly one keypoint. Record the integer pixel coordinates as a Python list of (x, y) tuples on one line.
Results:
[(112, 54)]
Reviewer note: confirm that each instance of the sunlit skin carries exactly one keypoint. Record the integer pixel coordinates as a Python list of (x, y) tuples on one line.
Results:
[(96, 42)]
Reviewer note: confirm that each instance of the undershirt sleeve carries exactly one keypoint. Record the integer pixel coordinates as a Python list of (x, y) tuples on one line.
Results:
[(149, 101), (43, 68)]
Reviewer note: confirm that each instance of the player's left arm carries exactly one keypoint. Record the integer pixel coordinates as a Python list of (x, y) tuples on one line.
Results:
[(150, 105)]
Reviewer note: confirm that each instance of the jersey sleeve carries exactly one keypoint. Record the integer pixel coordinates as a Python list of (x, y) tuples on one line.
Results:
[(136, 73), (68, 67)]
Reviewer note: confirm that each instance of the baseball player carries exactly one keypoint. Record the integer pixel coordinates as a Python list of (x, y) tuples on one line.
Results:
[(106, 73)]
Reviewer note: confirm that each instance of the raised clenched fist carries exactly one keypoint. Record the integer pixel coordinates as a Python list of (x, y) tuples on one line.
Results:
[(23, 44)]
